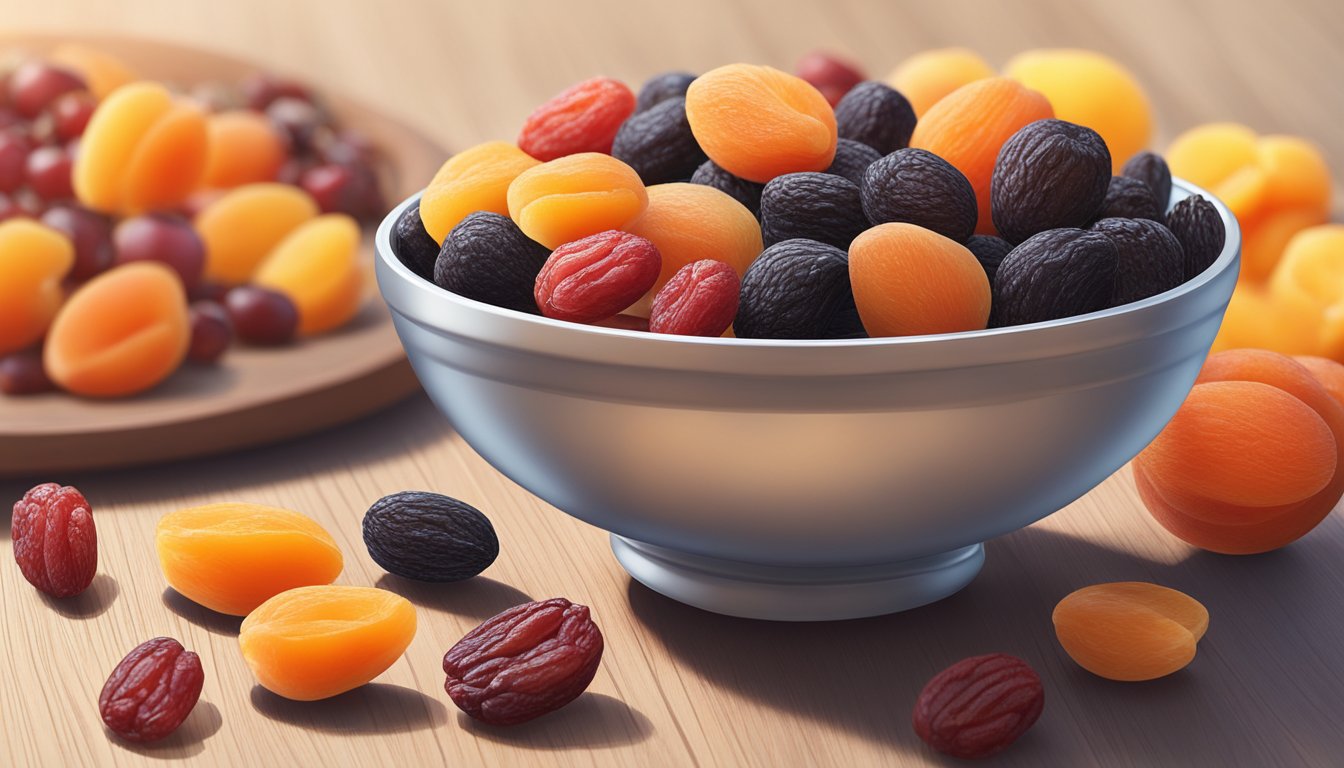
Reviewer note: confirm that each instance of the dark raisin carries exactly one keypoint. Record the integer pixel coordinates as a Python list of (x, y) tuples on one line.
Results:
[(1150, 260), (412, 245), (486, 257), (21, 373), (1054, 274), (989, 251), (261, 316), (748, 193), (1128, 198), (658, 143), (660, 88), (1196, 224), (798, 289), (918, 187), (852, 158), (1051, 174), (1152, 170), (877, 115), (429, 537), (816, 206)]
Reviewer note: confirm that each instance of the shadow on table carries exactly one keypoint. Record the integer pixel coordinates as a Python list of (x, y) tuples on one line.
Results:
[(1265, 687), (479, 597), (89, 604), (187, 741), (375, 708), (592, 721), (211, 621)]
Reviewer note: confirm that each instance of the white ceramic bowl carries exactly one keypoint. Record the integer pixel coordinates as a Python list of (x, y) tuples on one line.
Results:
[(808, 480)]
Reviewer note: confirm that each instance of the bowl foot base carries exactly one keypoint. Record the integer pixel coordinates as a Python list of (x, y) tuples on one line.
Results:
[(782, 593)]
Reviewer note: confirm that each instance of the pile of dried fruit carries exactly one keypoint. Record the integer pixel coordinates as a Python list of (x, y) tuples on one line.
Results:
[(141, 227)]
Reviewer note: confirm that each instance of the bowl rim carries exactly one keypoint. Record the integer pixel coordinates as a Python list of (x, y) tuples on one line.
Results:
[(1229, 258)]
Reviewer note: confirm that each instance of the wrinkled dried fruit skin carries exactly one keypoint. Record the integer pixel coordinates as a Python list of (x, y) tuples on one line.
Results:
[(524, 663), (151, 691), (1151, 169), (1150, 260), (1128, 198), (582, 118), (1050, 174), (979, 706), (1129, 630), (918, 187), (429, 537), (658, 143), (748, 193), (1196, 224), (413, 245), (798, 289), (877, 115), (700, 300), (852, 158), (815, 206), (55, 542), (596, 277), (1056, 274), (659, 88), (487, 258), (990, 251)]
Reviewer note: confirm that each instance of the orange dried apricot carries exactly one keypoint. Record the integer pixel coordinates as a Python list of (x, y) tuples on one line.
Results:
[(103, 72), (1308, 286), (475, 179), (758, 122), (33, 261), (316, 642), (909, 280), (244, 225), (317, 267), (122, 332), (927, 77), (575, 196), (232, 557), (244, 148), (1130, 630), (968, 126), (1328, 373)]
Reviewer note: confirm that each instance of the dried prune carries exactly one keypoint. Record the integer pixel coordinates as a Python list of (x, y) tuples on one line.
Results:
[(748, 193), (488, 258), (1196, 224), (528, 661), (429, 537), (151, 691), (699, 300), (815, 206), (1151, 169), (798, 289), (918, 187), (658, 143), (596, 277), (412, 245), (662, 87), (1150, 259), (1054, 274), (877, 115), (852, 158), (989, 251), (1128, 198), (1051, 174), (55, 542)]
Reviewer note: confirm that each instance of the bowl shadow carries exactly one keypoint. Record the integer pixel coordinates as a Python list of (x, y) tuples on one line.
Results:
[(214, 622), (592, 721), (479, 597), (89, 604), (187, 741), (374, 708)]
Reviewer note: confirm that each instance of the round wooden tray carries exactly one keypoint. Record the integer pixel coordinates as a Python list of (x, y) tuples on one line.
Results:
[(254, 396)]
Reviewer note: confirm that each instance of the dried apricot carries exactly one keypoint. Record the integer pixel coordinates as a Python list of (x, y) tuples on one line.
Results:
[(243, 226), (1307, 286), (244, 149), (475, 179), (1130, 630), (927, 77), (1328, 373), (909, 280), (582, 118), (317, 267), (34, 259), (573, 197)]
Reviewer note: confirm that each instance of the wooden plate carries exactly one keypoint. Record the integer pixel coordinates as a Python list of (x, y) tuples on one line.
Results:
[(254, 396)]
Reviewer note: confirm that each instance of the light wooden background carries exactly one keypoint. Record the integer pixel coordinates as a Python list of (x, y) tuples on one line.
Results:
[(678, 686)]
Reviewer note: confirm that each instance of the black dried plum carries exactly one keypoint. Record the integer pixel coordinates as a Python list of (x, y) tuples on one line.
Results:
[(662, 87), (1051, 174), (1199, 229), (748, 193), (918, 187), (429, 537), (412, 244), (486, 257), (1149, 258), (815, 206), (1054, 274), (877, 115), (1128, 198), (1151, 169), (989, 251), (658, 143), (852, 158), (798, 289)]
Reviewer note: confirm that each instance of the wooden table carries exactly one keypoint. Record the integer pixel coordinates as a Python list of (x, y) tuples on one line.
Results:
[(678, 686)]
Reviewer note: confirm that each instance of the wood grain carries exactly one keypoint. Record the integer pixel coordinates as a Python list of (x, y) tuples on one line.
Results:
[(678, 686)]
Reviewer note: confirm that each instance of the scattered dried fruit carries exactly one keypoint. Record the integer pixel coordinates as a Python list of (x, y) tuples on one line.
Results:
[(55, 543), (429, 537), (1130, 630), (151, 691), (979, 706)]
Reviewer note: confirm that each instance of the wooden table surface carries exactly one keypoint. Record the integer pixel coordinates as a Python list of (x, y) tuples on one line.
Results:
[(678, 686)]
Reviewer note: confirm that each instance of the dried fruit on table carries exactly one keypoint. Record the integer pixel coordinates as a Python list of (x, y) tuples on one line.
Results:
[(926, 77), (1151, 169), (524, 663), (475, 179), (700, 300), (243, 226), (429, 537), (1050, 174), (315, 642), (661, 87), (815, 206), (1129, 630), (1196, 224), (34, 259), (487, 258), (55, 542), (851, 160), (877, 115), (918, 187), (573, 197), (317, 266), (1128, 198), (829, 74), (909, 281), (748, 193), (1150, 260), (798, 289), (262, 316), (582, 118), (658, 143), (232, 557), (1056, 274), (596, 277), (151, 691), (979, 706)]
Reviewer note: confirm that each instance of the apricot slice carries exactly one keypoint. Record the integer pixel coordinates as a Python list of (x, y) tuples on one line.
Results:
[(316, 642), (927, 77), (317, 267), (33, 261), (122, 332), (242, 227), (232, 557), (575, 196), (475, 179), (244, 148), (1130, 631), (909, 281)]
